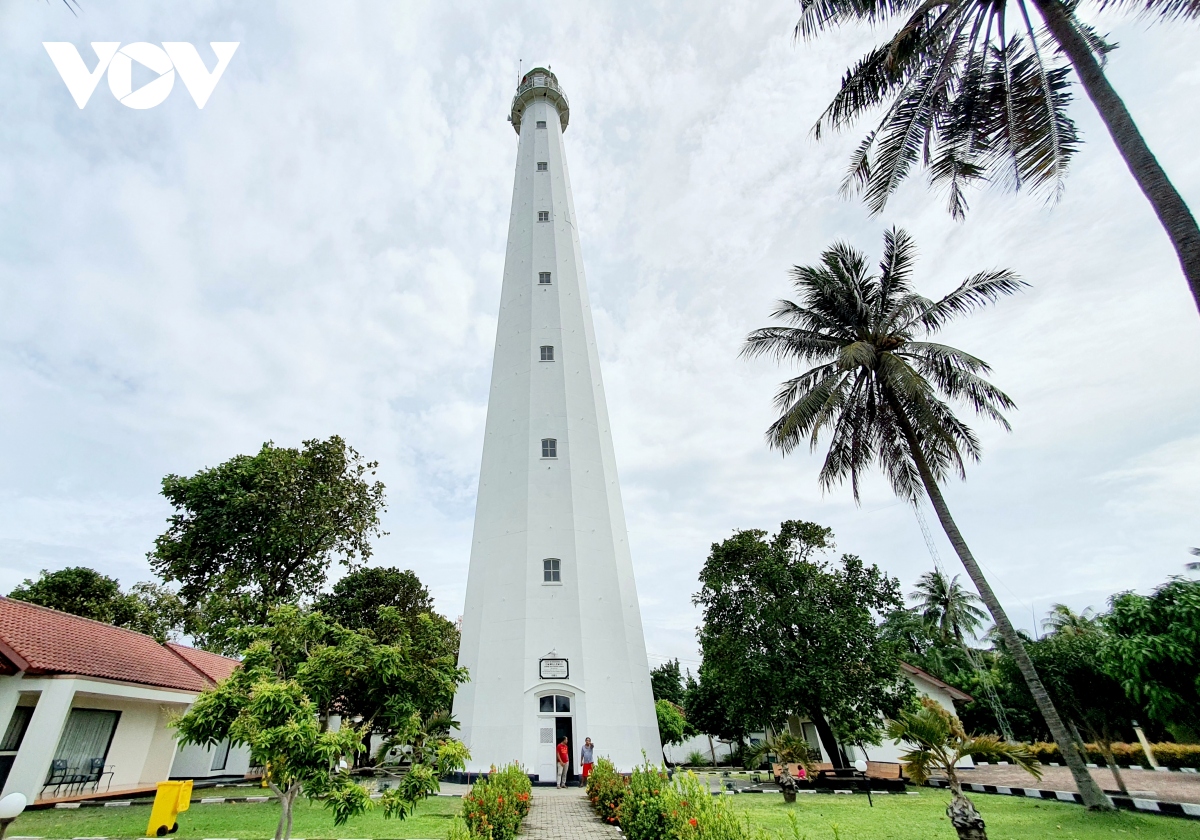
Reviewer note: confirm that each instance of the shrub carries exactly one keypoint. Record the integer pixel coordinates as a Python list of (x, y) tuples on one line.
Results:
[(643, 814), (697, 759), (1168, 755), (695, 814), (494, 807), (606, 788)]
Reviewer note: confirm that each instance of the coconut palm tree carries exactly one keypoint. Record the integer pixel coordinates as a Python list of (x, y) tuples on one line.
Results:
[(939, 743), (880, 388), (1067, 622), (946, 606), (976, 90)]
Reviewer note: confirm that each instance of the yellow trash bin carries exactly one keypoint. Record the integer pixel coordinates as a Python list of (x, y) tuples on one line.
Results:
[(172, 797)]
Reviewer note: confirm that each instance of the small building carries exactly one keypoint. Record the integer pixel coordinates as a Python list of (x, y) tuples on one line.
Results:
[(86, 706)]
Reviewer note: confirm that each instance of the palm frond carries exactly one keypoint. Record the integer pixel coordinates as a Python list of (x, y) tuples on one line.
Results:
[(976, 291)]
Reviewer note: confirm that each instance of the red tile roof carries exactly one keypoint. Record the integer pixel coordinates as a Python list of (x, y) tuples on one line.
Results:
[(956, 693), (212, 665), (39, 640)]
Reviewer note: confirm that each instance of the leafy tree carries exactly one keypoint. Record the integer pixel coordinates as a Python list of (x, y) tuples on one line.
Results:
[(1151, 647), (667, 683), (707, 710), (788, 632), (1089, 698), (146, 607), (672, 725), (977, 91), (358, 598), (946, 606), (939, 744), (881, 389), (295, 670), (262, 530)]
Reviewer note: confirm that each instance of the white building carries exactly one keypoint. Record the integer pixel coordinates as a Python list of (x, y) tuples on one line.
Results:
[(85, 706), (551, 633)]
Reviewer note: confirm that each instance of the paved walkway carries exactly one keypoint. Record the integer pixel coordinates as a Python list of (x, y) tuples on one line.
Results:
[(1148, 784), (564, 815)]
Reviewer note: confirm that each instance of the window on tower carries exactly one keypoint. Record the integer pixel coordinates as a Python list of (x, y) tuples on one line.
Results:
[(552, 570), (544, 278), (547, 352), (541, 123), (543, 215), (542, 166), (549, 448)]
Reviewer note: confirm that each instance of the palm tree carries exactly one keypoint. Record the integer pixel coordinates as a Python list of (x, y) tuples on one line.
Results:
[(939, 744), (946, 606), (880, 390), (1067, 622), (975, 90)]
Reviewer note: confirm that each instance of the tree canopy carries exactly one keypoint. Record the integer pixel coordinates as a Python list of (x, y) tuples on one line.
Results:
[(262, 530), (299, 668), (666, 682), (782, 624), (147, 607), (1151, 646)]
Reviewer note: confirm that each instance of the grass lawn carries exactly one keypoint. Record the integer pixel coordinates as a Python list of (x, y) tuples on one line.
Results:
[(923, 817), (243, 821)]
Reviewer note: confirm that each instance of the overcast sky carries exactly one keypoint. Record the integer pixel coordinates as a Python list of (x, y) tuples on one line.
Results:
[(319, 251)]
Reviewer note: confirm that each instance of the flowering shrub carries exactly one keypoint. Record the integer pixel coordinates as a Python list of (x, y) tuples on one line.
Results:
[(643, 813), (695, 814), (494, 807), (606, 788)]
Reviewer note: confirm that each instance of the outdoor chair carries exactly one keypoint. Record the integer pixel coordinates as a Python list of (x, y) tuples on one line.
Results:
[(60, 775), (95, 772)]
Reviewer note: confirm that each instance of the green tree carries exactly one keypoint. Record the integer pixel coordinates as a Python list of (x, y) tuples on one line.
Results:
[(147, 608), (1091, 700), (1065, 621), (977, 91), (666, 682), (295, 670), (782, 627), (707, 709), (947, 607), (262, 530), (357, 600), (672, 724), (939, 744), (881, 389), (1150, 646)]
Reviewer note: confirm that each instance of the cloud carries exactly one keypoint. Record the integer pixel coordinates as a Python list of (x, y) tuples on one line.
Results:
[(320, 250)]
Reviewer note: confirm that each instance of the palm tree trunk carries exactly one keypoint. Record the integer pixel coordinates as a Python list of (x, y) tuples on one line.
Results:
[(1093, 796), (1168, 204)]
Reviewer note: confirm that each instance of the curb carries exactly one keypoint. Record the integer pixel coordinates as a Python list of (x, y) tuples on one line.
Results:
[(1122, 767), (1187, 810)]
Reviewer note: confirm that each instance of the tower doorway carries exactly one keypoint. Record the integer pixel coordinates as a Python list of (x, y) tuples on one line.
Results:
[(563, 729)]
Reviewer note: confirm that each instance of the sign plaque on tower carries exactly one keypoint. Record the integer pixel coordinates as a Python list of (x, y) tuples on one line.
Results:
[(550, 563)]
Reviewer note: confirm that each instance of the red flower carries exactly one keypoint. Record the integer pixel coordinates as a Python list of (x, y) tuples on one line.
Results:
[(692, 821)]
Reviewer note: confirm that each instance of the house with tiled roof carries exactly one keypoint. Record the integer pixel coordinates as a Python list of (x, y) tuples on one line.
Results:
[(86, 706)]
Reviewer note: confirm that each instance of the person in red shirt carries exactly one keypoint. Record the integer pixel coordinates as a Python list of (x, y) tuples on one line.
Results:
[(564, 762)]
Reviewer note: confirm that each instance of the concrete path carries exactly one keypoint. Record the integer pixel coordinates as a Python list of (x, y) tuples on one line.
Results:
[(564, 815)]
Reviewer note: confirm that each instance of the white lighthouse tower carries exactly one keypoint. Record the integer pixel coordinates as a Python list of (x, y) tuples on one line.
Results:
[(551, 632)]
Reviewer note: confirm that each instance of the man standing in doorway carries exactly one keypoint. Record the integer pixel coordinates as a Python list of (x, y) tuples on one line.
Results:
[(564, 761), (586, 756)]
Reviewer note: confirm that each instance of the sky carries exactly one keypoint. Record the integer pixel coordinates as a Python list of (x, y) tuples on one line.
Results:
[(319, 251)]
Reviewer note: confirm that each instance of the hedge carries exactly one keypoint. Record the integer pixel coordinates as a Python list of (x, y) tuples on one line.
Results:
[(1167, 755)]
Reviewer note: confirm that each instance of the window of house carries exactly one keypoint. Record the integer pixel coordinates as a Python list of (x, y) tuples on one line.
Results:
[(549, 448), (544, 278), (542, 166), (552, 570), (541, 123), (543, 215), (17, 725), (547, 352), (220, 755), (87, 735), (554, 703)]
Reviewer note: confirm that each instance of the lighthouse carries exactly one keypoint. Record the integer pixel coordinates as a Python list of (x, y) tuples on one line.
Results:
[(551, 631)]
